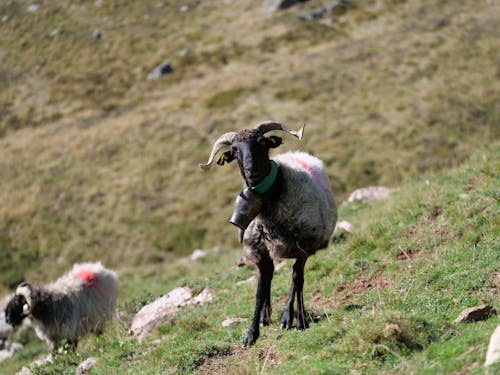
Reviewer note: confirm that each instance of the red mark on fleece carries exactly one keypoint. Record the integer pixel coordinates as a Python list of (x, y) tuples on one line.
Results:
[(86, 275), (311, 170)]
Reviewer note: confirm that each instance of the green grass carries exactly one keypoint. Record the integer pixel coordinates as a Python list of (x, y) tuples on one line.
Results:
[(373, 310), (98, 163)]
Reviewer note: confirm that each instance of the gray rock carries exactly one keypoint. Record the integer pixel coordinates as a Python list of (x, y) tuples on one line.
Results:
[(85, 367), (164, 309), (10, 349), (162, 69), (24, 371), (232, 321), (343, 229), (476, 313), (32, 8), (198, 254), (493, 353), (185, 52), (273, 5), (370, 194), (314, 14), (97, 34)]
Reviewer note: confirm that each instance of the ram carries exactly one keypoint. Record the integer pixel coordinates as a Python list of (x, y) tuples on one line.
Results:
[(286, 210), (80, 302)]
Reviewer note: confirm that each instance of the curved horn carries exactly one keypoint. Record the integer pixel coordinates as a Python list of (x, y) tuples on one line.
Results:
[(267, 126), (223, 141), (24, 289)]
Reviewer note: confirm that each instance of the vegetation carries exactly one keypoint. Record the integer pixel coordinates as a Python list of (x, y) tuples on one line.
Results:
[(99, 163)]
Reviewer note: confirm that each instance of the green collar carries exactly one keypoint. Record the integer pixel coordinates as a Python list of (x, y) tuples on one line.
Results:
[(267, 182)]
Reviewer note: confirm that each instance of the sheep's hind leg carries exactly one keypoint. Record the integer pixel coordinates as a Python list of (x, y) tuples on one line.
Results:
[(298, 279), (287, 317), (296, 289), (262, 300)]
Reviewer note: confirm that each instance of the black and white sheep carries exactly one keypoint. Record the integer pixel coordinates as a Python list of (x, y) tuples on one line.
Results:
[(80, 302), (286, 210)]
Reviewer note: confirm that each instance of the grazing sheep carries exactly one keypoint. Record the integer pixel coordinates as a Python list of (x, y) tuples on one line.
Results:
[(81, 301), (286, 210)]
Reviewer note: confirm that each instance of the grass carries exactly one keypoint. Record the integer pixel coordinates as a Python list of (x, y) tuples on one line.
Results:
[(373, 310), (97, 162)]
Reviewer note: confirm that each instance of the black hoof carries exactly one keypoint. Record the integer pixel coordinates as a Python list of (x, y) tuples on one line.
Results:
[(286, 320), (251, 338)]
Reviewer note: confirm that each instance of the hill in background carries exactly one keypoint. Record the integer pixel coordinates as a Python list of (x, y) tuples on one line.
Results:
[(97, 161)]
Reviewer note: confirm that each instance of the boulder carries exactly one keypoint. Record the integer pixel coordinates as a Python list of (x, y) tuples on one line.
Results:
[(493, 353), (370, 194), (198, 254), (232, 321), (273, 5), (164, 309), (9, 350), (162, 69), (85, 367), (476, 313)]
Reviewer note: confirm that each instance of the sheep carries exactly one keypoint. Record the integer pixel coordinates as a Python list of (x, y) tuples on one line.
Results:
[(286, 210), (81, 301)]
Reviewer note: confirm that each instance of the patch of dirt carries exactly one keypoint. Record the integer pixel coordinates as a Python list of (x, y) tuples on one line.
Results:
[(208, 364), (232, 363), (376, 281), (409, 254)]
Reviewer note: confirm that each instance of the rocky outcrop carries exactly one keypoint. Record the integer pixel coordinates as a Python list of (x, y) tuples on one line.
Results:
[(164, 309), (370, 194)]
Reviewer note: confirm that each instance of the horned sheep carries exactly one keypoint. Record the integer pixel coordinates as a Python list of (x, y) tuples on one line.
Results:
[(80, 302), (286, 210)]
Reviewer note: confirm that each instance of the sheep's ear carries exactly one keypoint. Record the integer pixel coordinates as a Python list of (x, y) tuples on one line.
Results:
[(26, 309), (275, 141), (270, 142), (226, 157)]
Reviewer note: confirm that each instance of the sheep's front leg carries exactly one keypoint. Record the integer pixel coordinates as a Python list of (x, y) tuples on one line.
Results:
[(262, 300)]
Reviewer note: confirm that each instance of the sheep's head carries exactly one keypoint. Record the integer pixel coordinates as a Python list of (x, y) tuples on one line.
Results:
[(19, 306), (251, 149)]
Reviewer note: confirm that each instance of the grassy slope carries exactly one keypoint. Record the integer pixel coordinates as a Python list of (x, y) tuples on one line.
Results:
[(96, 161), (415, 261)]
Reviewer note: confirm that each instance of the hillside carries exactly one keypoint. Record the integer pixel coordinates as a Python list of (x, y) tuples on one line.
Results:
[(96, 161), (381, 302)]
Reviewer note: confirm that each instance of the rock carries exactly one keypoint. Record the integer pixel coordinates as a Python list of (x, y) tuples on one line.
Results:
[(85, 367), (391, 330), (370, 194), (343, 226), (24, 371), (5, 19), (160, 70), (273, 5), (314, 14), (198, 254), (165, 308), (206, 295), (473, 314), (251, 279), (342, 230), (185, 52), (33, 8), (97, 34), (233, 321), (184, 8), (493, 353), (10, 349)]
